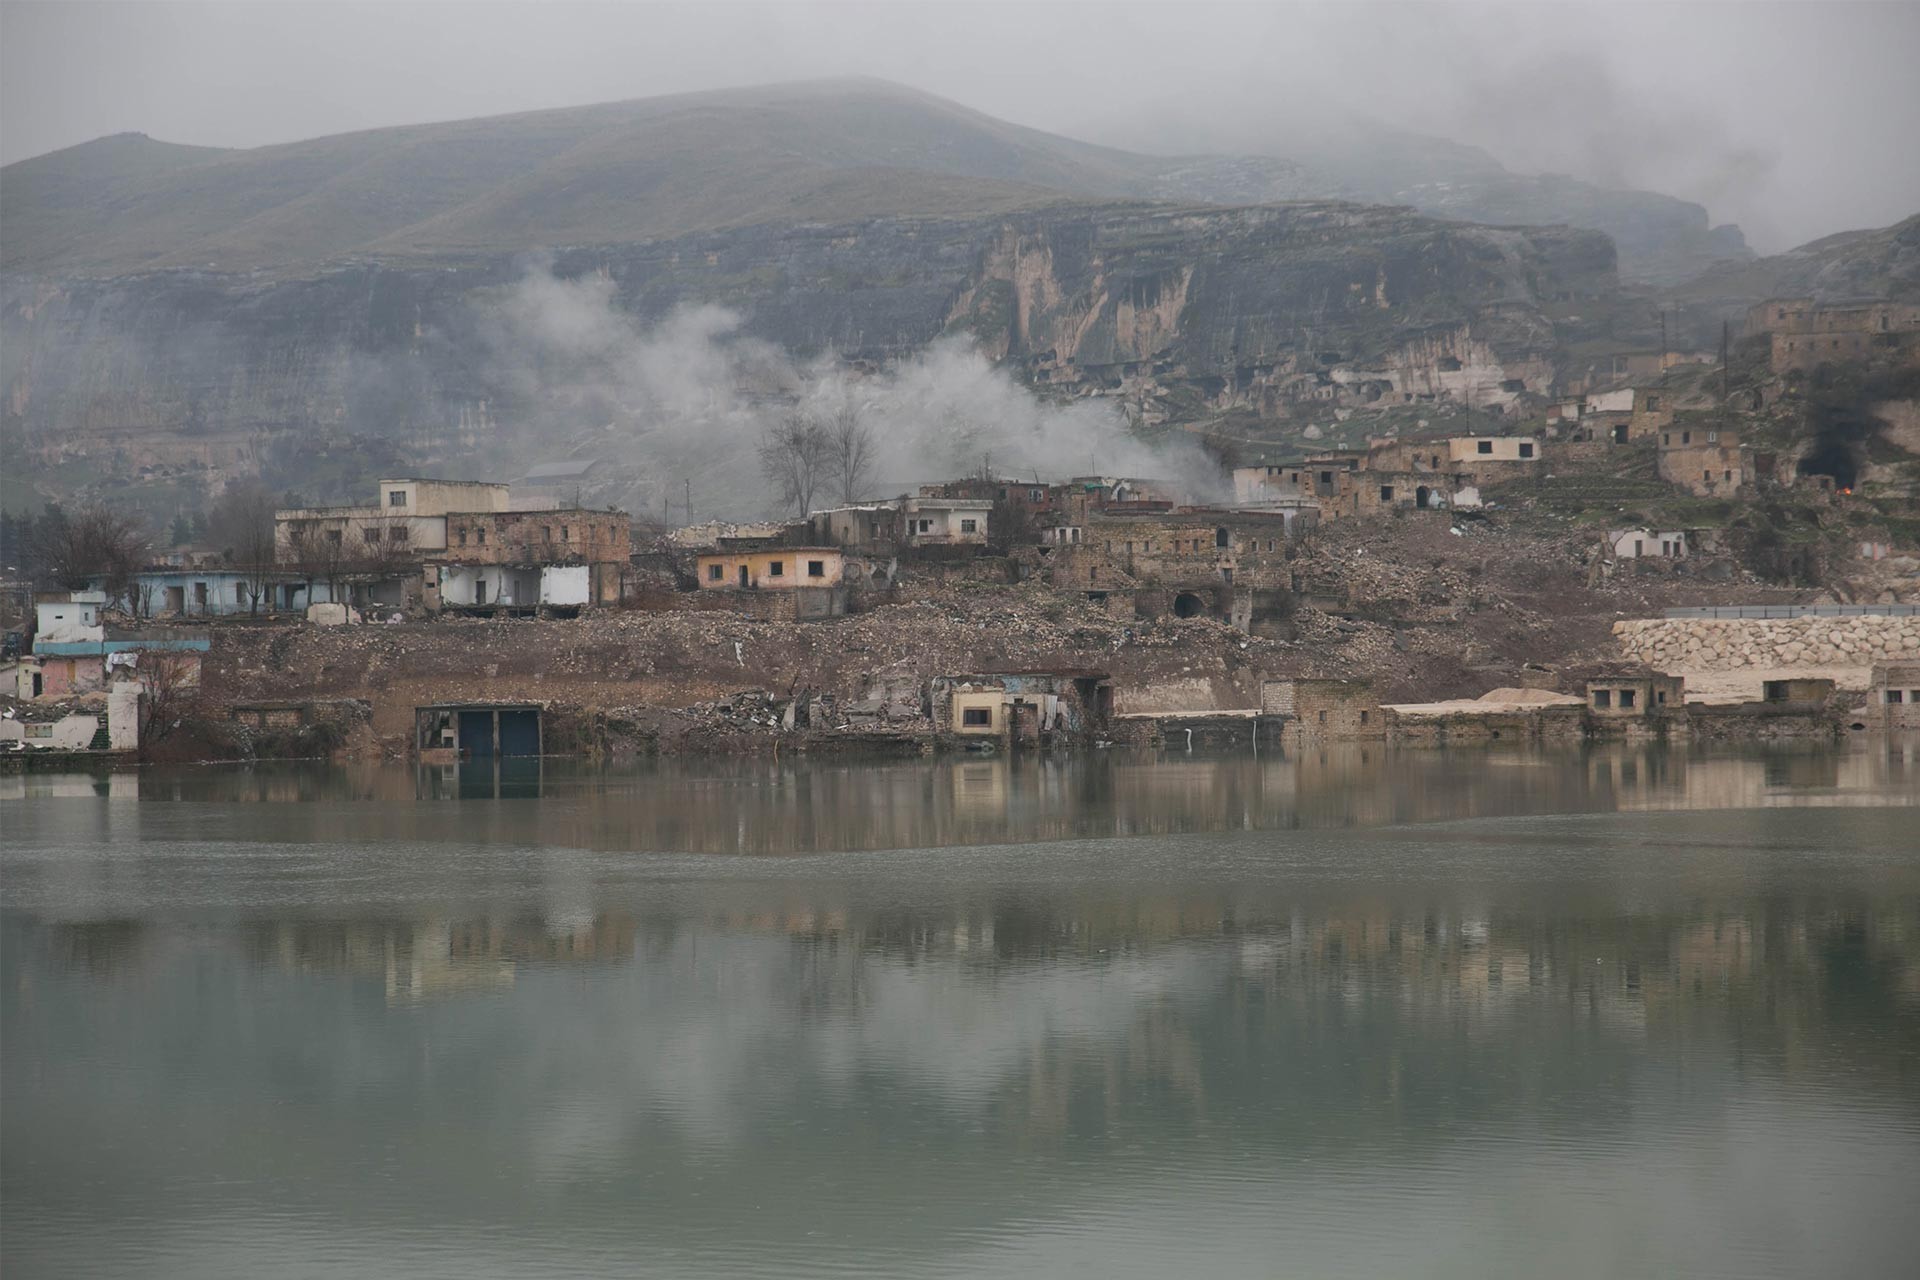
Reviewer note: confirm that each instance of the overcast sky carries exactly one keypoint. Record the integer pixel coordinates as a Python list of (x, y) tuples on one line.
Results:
[(1794, 120)]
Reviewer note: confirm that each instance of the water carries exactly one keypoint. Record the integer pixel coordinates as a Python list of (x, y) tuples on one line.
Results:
[(1595, 1013)]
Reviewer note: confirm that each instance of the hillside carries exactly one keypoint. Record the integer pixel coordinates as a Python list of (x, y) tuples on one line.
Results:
[(619, 173), (658, 168), (1881, 263)]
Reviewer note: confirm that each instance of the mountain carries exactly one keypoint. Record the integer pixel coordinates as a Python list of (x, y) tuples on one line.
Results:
[(171, 316), (619, 173), (1882, 264), (1330, 153), (657, 168)]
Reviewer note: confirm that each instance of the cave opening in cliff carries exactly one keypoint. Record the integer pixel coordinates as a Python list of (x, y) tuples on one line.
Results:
[(1831, 457)]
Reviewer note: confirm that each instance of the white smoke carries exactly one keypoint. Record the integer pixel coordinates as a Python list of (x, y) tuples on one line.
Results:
[(687, 400)]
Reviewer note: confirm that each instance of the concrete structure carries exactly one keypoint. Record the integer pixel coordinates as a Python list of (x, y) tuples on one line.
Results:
[(1498, 715), (928, 522), (450, 731), (62, 617), (1636, 544), (1635, 695), (1894, 695), (78, 731), (1017, 707), (1325, 710), (771, 569), (452, 544)]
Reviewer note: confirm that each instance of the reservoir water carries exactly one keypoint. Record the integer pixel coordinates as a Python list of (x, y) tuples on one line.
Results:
[(1634, 1011)]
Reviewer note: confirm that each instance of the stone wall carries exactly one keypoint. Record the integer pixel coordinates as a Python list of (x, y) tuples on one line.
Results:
[(1729, 644)]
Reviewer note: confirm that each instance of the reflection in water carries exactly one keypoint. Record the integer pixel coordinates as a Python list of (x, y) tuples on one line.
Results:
[(1568, 1033), (807, 806)]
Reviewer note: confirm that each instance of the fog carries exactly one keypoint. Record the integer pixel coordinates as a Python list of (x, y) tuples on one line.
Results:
[(1793, 120)]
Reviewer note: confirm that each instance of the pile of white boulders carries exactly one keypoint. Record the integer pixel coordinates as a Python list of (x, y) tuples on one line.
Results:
[(1726, 644)]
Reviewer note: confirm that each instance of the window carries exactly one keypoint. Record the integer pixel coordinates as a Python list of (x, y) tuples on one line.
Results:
[(1686, 437), (1713, 437), (1666, 437), (333, 535), (1637, 545), (1220, 538), (1603, 697), (1386, 493), (1660, 696), (714, 572), (1269, 544), (1226, 576), (1728, 477), (370, 535), (1626, 699), (1363, 717), (816, 568), (566, 534), (1323, 717), (1526, 449), (1326, 477), (397, 534), (969, 526), (396, 497), (1036, 495), (1896, 695), (461, 537), (546, 533), (1485, 446), (778, 569), (976, 717), (480, 536), (1706, 477)]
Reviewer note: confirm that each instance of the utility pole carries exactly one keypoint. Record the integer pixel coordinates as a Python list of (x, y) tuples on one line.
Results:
[(1726, 371), (688, 482)]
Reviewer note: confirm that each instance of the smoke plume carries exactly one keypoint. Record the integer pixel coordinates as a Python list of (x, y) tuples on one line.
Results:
[(685, 401)]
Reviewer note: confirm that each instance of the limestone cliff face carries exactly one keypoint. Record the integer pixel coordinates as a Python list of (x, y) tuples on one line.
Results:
[(1177, 310)]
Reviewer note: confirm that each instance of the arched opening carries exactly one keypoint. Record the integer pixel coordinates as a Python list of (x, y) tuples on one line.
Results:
[(1187, 605), (879, 575), (1420, 497)]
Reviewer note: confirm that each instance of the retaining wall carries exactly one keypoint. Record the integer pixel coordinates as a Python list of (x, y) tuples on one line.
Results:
[(1728, 644)]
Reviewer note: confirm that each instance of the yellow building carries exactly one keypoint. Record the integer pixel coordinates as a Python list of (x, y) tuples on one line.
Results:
[(771, 569)]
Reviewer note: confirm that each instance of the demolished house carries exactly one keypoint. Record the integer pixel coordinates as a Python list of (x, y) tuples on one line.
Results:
[(1020, 708), (453, 544)]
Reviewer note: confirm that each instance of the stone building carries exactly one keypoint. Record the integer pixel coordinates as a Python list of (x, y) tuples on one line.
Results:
[(1894, 695), (1805, 333), (1634, 694), (1188, 562), (1325, 710), (1466, 450), (1706, 461)]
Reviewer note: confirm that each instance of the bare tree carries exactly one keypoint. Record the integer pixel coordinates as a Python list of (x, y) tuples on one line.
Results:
[(850, 450), (93, 543), (796, 458), (170, 683), (242, 527)]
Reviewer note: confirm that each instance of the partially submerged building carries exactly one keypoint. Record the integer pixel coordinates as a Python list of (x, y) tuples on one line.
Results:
[(1325, 710), (1893, 695), (1020, 707)]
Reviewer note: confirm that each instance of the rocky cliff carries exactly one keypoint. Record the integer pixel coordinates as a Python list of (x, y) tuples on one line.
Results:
[(1175, 311)]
